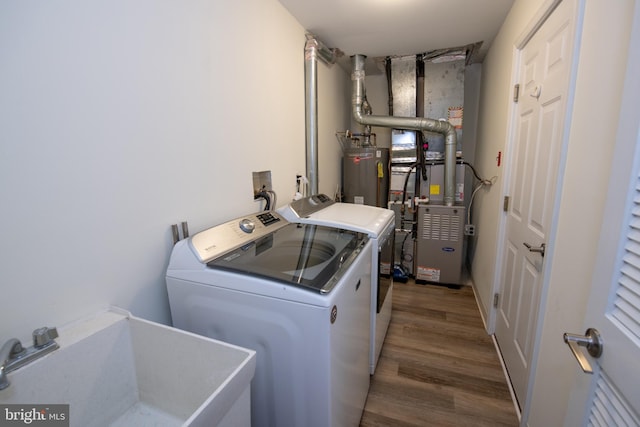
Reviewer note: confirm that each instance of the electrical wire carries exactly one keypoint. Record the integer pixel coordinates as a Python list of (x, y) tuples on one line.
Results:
[(402, 251), (462, 162), (404, 188), (481, 184)]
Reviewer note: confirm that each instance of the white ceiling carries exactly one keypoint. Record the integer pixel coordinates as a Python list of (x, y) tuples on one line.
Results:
[(379, 28)]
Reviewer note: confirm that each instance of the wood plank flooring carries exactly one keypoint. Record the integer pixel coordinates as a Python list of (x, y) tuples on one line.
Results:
[(438, 366)]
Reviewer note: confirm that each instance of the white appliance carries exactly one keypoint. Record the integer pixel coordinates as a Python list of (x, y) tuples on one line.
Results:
[(296, 294), (379, 225)]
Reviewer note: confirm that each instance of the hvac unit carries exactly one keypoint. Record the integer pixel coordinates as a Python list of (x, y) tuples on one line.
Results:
[(439, 244)]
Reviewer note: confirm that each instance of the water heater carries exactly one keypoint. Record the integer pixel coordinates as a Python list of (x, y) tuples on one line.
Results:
[(366, 175)]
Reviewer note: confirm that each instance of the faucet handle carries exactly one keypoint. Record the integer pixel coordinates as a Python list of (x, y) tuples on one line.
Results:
[(16, 349), (43, 336)]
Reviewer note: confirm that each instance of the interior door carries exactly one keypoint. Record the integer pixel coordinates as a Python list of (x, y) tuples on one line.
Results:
[(543, 76), (612, 397)]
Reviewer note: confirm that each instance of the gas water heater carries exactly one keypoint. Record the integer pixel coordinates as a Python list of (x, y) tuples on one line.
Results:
[(366, 175)]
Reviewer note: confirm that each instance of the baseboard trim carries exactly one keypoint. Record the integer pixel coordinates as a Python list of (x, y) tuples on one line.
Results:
[(514, 399)]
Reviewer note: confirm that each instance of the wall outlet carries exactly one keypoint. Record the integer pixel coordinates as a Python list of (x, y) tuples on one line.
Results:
[(469, 230)]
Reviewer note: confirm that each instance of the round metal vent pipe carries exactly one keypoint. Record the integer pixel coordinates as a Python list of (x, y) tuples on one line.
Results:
[(410, 123), (313, 50)]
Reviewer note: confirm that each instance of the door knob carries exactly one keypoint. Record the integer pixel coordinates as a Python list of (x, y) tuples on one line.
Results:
[(540, 249), (591, 340)]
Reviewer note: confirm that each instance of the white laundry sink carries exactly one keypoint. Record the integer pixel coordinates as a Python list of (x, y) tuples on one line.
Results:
[(120, 370)]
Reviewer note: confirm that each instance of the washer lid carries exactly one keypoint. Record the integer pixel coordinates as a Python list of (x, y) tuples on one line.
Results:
[(361, 218), (302, 255)]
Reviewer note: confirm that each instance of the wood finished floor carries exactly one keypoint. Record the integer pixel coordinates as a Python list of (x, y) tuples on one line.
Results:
[(438, 366)]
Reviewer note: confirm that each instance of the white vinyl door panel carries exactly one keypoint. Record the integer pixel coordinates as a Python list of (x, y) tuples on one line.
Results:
[(537, 141)]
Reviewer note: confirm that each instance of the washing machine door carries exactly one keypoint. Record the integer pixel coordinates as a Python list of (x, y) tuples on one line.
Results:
[(312, 257)]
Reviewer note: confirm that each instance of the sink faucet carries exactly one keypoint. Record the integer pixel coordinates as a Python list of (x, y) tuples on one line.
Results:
[(13, 355), (9, 351)]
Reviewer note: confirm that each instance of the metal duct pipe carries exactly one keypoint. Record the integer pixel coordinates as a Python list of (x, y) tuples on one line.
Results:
[(410, 123), (313, 50)]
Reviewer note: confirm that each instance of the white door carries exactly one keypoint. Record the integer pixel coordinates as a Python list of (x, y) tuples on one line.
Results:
[(543, 75), (612, 394)]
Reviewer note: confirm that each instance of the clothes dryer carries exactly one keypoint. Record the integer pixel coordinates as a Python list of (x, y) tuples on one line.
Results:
[(379, 225)]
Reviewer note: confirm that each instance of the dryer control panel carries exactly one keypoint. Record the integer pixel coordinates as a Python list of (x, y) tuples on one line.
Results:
[(306, 206), (215, 241)]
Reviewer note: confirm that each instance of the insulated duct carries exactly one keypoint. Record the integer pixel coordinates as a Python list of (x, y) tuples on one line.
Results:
[(409, 123), (313, 50)]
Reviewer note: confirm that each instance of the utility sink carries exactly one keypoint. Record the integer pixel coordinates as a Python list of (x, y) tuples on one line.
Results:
[(116, 369)]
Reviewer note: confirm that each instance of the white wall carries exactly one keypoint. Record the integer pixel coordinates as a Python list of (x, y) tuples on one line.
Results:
[(495, 98), (120, 118)]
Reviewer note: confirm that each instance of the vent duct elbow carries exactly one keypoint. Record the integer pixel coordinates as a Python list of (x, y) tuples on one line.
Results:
[(408, 123)]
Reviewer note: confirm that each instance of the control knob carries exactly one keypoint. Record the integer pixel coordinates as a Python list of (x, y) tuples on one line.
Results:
[(247, 225)]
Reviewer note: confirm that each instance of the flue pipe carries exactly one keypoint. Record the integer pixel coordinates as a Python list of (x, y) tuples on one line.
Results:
[(313, 50), (409, 123)]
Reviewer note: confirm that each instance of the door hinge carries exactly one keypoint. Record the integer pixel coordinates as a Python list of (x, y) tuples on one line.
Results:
[(496, 299), (516, 92), (505, 204)]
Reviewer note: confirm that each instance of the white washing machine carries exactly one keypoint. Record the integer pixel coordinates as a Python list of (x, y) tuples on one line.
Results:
[(379, 225), (298, 295)]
